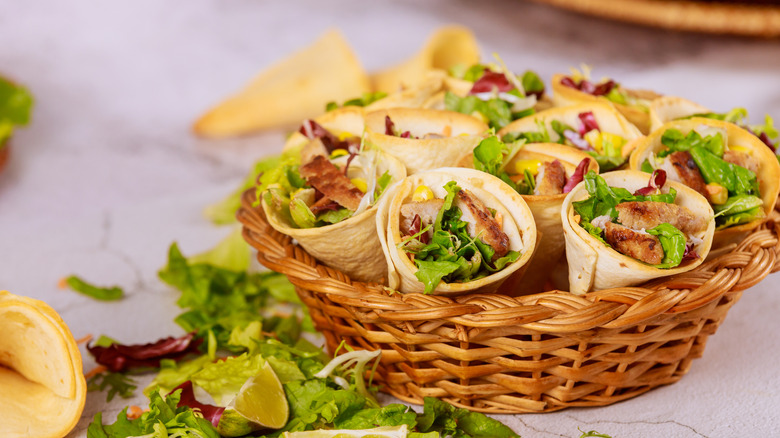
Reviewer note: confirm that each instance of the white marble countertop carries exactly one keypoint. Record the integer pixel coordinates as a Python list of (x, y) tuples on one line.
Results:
[(108, 175)]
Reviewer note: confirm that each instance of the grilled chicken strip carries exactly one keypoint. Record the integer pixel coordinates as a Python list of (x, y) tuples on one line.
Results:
[(640, 246), (427, 210), (741, 159), (551, 179), (649, 214), (683, 169), (324, 176), (481, 223)]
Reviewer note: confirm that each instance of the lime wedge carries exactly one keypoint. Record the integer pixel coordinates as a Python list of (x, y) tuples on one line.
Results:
[(379, 432), (260, 403)]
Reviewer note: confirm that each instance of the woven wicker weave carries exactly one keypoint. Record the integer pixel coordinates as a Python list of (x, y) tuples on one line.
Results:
[(535, 353)]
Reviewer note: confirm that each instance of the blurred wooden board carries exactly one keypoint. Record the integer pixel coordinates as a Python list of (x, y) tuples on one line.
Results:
[(747, 18)]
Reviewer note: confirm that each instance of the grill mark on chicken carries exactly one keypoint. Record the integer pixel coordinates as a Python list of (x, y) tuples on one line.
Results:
[(324, 176), (741, 159), (649, 214), (634, 244), (551, 179), (481, 223), (427, 210), (687, 171)]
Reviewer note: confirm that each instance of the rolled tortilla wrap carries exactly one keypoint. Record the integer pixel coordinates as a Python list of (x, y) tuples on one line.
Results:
[(594, 266), (545, 208), (668, 108), (636, 114), (768, 174), (456, 134), (42, 386), (447, 47), (607, 117), (516, 221), (352, 245)]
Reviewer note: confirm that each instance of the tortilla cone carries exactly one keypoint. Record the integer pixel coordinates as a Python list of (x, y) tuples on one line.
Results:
[(594, 266), (768, 174), (518, 224), (42, 388), (345, 120), (668, 108), (351, 246), (290, 91), (545, 208), (565, 96), (462, 133), (447, 47), (608, 118)]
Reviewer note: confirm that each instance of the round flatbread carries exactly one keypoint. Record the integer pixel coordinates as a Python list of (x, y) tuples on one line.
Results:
[(42, 385)]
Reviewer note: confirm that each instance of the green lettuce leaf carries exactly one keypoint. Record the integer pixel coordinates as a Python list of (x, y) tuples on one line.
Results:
[(673, 242), (447, 420), (112, 293), (390, 415), (232, 253), (116, 383), (224, 211), (173, 374), (15, 108), (224, 378)]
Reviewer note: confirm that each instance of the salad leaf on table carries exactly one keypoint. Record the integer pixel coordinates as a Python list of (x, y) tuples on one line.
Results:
[(16, 104), (77, 284)]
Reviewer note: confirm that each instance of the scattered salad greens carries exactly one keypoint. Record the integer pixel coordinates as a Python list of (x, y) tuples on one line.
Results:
[(15, 108), (112, 293), (364, 100)]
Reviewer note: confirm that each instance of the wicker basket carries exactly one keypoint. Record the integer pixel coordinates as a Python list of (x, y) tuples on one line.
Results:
[(535, 353)]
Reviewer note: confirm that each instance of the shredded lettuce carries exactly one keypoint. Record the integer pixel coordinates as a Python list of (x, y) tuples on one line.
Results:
[(112, 293), (15, 108)]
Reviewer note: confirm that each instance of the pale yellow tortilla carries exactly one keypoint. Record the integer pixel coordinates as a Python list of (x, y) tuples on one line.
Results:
[(462, 134), (350, 246), (294, 89), (668, 108), (447, 47), (566, 96), (608, 118), (346, 121), (594, 266), (42, 387), (518, 224), (545, 208), (768, 174)]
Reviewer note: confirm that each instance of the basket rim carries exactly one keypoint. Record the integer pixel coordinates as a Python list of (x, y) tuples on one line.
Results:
[(550, 312)]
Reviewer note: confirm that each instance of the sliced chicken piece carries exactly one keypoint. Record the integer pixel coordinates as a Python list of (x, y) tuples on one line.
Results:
[(427, 210), (550, 179), (682, 168), (742, 159), (324, 176), (649, 214), (312, 149), (482, 223), (634, 244)]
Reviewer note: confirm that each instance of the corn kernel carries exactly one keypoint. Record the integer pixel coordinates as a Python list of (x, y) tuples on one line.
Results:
[(531, 166), (594, 139), (360, 183), (345, 135), (717, 193), (338, 153), (422, 193), (740, 149)]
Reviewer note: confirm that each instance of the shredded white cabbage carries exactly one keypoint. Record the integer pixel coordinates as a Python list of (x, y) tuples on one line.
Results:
[(706, 130)]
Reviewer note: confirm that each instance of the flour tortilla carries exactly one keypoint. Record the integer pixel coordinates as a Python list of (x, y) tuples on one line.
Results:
[(594, 266), (565, 96), (518, 224), (545, 208), (608, 118), (42, 386), (462, 133), (351, 246), (294, 89), (668, 108), (768, 174), (447, 47)]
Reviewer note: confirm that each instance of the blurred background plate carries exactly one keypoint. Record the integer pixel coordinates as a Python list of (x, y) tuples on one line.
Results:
[(755, 18)]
